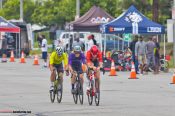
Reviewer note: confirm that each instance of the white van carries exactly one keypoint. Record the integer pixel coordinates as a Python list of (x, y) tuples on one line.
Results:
[(65, 36)]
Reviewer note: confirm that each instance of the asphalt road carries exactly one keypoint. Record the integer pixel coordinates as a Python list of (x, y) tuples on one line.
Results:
[(24, 87)]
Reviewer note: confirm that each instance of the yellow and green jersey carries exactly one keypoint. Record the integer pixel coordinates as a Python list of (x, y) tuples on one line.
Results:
[(55, 59)]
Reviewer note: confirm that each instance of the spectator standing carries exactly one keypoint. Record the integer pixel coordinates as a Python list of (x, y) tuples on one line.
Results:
[(132, 48), (77, 42), (70, 42), (39, 39), (140, 53), (44, 50), (150, 45), (4, 49), (156, 54), (91, 41)]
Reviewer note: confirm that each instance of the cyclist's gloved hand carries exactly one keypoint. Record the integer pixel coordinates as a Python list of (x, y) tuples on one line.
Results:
[(67, 72), (95, 68)]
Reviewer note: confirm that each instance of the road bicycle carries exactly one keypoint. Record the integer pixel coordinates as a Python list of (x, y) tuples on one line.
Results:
[(58, 88), (93, 91), (78, 89)]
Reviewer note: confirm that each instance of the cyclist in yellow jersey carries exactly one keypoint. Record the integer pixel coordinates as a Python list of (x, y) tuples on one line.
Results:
[(56, 59)]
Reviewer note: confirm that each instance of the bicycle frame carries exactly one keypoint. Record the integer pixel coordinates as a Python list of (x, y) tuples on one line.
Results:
[(58, 88), (93, 90)]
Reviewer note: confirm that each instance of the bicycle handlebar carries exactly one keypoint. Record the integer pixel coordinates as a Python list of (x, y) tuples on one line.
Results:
[(101, 69)]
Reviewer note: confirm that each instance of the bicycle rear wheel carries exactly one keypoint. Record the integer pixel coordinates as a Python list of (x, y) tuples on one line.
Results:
[(80, 92), (52, 96), (59, 92), (90, 94)]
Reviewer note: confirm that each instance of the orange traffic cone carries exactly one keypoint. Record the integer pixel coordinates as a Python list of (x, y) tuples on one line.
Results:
[(112, 71), (173, 80), (36, 62), (12, 59), (133, 72), (22, 60)]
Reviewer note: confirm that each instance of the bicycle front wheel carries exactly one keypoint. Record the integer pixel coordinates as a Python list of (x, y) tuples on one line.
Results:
[(59, 92), (52, 96), (97, 93), (75, 97), (80, 92), (97, 98), (90, 94)]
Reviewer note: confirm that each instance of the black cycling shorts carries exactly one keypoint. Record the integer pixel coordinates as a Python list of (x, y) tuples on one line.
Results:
[(96, 63), (78, 69), (59, 67)]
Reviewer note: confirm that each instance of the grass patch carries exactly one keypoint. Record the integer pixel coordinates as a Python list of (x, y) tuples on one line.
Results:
[(38, 51)]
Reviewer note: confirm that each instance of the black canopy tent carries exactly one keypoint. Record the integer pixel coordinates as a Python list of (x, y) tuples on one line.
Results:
[(90, 21)]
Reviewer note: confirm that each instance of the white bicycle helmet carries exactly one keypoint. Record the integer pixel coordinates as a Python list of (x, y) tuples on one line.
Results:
[(59, 50), (77, 49)]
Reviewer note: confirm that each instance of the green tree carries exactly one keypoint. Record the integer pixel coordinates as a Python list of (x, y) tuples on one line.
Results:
[(11, 9), (54, 12), (58, 12)]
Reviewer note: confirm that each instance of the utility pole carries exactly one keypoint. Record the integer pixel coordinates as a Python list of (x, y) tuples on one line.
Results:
[(77, 9), (21, 10)]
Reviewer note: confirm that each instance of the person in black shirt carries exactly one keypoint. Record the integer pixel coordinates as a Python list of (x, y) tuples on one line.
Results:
[(156, 55), (132, 48)]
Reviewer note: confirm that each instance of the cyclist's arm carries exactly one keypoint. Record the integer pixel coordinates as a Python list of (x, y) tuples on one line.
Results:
[(51, 67), (88, 60), (83, 58), (70, 64), (65, 59), (100, 60), (51, 62)]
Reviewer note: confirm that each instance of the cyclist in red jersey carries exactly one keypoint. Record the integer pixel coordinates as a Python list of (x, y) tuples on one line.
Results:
[(95, 61)]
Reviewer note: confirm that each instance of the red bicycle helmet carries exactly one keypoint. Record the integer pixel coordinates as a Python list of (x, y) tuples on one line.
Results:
[(94, 50)]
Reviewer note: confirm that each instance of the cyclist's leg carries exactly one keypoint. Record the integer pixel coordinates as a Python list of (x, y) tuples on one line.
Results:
[(73, 79), (52, 76), (97, 76), (97, 80), (60, 76), (59, 69), (81, 75), (89, 72)]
